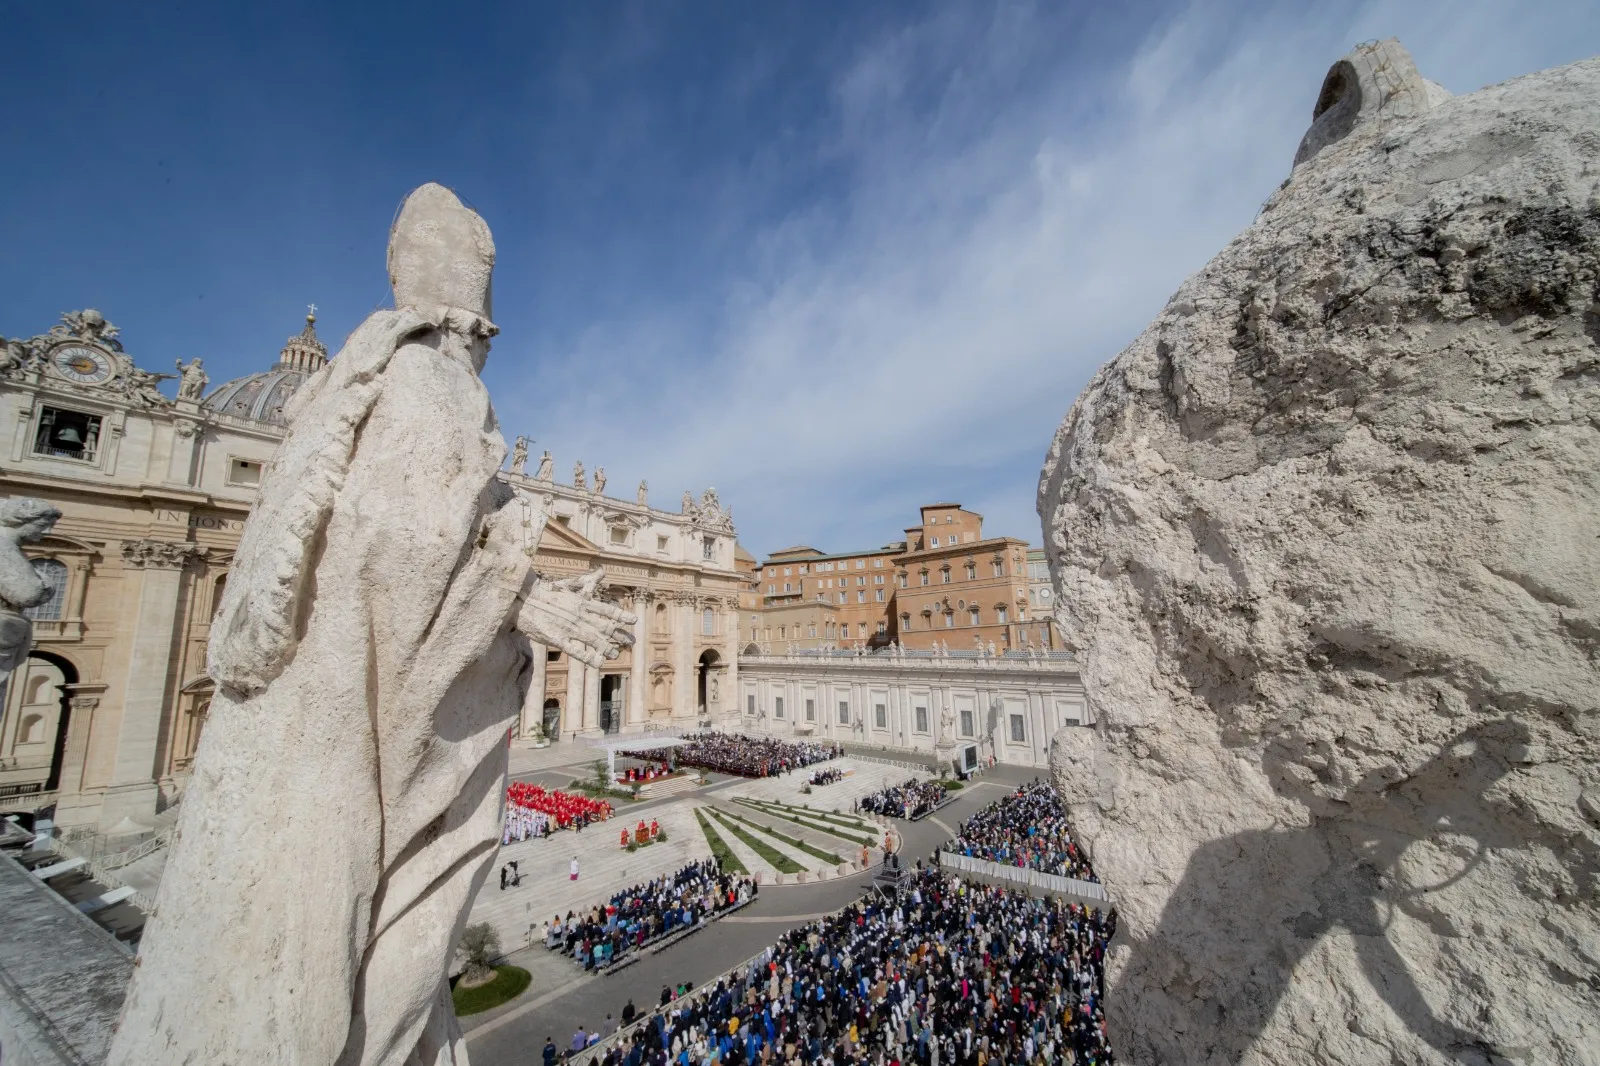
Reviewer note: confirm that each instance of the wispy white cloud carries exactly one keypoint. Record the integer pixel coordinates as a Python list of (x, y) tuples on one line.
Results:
[(1008, 220)]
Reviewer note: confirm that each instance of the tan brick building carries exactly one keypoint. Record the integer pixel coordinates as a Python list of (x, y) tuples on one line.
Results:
[(858, 585), (958, 587)]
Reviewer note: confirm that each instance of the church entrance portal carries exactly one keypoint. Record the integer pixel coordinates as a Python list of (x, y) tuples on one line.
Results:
[(552, 720)]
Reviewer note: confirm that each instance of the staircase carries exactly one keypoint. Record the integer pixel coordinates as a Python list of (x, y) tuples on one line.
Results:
[(672, 786)]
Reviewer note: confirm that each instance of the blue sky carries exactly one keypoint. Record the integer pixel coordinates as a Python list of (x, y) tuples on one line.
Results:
[(834, 259)]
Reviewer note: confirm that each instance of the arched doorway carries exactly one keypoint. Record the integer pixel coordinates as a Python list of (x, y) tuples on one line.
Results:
[(33, 728), (708, 681), (551, 722)]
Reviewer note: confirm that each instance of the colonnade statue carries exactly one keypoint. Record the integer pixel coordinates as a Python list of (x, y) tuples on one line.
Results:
[(371, 651)]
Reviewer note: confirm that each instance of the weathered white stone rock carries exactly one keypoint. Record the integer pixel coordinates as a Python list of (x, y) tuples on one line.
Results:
[(1326, 536), (22, 521), (370, 654)]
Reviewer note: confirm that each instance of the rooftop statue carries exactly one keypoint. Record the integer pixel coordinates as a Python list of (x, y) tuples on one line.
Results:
[(1325, 541), (372, 648), (22, 521)]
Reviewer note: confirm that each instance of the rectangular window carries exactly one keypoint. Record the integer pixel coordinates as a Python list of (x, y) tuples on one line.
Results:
[(843, 596), (777, 707), (750, 704), (708, 623), (811, 710), (788, 586), (619, 535), (64, 434), (661, 544), (973, 616), (1018, 735), (877, 563), (880, 716), (1000, 615), (861, 597), (999, 569), (802, 569), (813, 628), (903, 582), (966, 723), (944, 576), (844, 712), (934, 542), (924, 576), (883, 628), (861, 564), (771, 589), (922, 719), (972, 572), (244, 472), (878, 595), (788, 571), (949, 620)]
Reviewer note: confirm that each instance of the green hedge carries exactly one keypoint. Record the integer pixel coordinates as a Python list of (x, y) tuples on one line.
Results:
[(509, 983), (719, 848), (799, 845), (778, 860), (830, 829), (845, 821), (952, 785)]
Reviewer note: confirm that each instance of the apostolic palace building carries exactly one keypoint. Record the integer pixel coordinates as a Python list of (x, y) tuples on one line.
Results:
[(104, 717)]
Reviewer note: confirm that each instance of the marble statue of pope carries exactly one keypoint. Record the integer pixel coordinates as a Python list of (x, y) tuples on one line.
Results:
[(373, 647)]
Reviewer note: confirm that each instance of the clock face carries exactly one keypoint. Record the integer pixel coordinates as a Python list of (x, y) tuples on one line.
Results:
[(86, 366)]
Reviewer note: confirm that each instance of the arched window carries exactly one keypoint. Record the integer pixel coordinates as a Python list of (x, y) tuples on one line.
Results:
[(53, 573), (663, 619)]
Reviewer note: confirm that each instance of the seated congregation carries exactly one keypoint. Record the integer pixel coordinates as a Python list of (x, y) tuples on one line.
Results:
[(637, 916), (825, 777), (1027, 829), (940, 972), (742, 756), (913, 799)]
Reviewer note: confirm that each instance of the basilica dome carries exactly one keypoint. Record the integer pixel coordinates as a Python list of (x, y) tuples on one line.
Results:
[(261, 397)]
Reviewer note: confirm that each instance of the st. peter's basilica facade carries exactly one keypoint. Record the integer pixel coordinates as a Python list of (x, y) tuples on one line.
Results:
[(104, 718)]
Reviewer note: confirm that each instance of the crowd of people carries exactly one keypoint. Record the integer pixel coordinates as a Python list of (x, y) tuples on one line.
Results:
[(742, 756), (646, 912), (533, 811), (1027, 829), (651, 770), (938, 973), (825, 777), (913, 799)]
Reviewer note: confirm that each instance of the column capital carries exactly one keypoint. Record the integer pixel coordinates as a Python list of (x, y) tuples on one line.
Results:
[(158, 554)]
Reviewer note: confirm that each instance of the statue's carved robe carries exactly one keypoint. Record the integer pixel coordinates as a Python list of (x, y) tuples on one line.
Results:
[(342, 816)]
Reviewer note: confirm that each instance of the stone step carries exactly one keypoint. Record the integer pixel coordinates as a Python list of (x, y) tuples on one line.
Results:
[(672, 786)]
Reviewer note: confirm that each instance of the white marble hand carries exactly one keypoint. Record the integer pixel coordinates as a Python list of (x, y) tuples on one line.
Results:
[(565, 615)]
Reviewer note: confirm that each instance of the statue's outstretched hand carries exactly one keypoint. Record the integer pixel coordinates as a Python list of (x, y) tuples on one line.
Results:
[(566, 615)]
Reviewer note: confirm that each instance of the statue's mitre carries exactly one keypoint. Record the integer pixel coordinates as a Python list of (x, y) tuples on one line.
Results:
[(441, 255)]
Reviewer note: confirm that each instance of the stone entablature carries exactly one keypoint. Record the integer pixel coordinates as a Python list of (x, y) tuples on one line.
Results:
[(931, 703)]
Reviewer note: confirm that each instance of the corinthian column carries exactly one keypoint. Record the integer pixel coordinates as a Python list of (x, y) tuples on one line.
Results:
[(159, 566)]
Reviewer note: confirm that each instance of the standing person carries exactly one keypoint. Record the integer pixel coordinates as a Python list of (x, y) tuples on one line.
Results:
[(580, 1040), (608, 1027), (550, 1051), (628, 1012), (502, 878), (574, 869)]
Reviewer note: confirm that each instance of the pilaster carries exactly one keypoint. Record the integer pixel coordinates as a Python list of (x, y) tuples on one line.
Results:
[(160, 565)]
